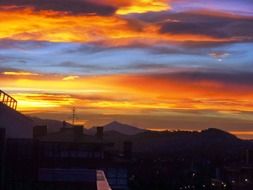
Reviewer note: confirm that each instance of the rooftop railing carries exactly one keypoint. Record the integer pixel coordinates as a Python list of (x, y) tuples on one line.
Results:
[(8, 100), (102, 183)]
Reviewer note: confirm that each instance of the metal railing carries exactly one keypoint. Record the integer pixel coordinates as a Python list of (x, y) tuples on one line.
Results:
[(8, 100)]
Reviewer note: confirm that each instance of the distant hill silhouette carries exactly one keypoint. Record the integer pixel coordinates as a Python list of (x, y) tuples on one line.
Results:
[(55, 125), (120, 128), (212, 142)]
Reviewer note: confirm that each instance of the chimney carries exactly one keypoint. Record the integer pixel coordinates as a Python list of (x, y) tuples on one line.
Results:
[(128, 149), (39, 131), (249, 157), (218, 173), (100, 132), (78, 130), (2, 135), (64, 124)]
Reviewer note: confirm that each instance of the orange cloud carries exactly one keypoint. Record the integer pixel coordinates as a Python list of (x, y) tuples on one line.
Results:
[(136, 6), (143, 6), (25, 24), (129, 92), (42, 102), (20, 73), (136, 95), (249, 133), (55, 27), (70, 77)]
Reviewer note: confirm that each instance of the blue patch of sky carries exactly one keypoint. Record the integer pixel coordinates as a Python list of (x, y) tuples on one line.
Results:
[(90, 59)]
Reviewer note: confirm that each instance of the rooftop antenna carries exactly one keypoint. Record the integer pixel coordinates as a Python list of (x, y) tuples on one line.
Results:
[(73, 116)]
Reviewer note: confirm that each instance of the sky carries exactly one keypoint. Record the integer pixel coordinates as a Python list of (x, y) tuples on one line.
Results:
[(156, 64)]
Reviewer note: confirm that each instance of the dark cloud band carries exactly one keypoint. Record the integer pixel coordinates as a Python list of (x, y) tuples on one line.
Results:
[(210, 25), (69, 6)]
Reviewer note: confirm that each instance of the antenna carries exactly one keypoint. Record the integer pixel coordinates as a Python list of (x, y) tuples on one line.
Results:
[(73, 116)]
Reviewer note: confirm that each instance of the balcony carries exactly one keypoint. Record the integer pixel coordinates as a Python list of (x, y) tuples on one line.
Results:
[(8, 100)]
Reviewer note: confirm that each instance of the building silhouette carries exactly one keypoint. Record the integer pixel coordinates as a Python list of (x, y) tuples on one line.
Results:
[(16, 125), (32, 158)]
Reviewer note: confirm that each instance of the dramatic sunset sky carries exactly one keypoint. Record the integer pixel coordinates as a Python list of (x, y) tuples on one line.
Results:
[(159, 64)]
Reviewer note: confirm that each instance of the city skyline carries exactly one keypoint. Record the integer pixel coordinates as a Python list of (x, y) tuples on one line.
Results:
[(165, 64)]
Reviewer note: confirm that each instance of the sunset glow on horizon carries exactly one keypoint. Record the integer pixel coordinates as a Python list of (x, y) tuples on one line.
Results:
[(160, 64)]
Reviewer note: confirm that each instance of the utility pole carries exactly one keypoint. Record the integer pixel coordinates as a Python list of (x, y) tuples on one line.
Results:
[(73, 116)]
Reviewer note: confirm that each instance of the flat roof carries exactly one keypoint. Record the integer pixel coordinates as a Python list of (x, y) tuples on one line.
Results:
[(74, 175)]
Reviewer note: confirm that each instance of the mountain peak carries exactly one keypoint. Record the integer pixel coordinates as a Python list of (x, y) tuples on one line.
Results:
[(214, 132), (115, 123), (122, 128)]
